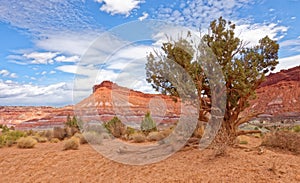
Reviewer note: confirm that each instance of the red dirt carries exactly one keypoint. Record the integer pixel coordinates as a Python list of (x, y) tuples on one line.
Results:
[(48, 163)]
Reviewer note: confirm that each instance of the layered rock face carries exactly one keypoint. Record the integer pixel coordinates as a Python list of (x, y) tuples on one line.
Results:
[(278, 98), (27, 117), (109, 100)]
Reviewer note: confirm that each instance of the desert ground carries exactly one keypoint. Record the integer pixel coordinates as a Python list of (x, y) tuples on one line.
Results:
[(47, 162)]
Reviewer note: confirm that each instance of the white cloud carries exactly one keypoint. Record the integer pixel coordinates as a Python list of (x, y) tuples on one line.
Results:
[(144, 16), (13, 75), (288, 62), (119, 6), (4, 72), (70, 43), (44, 17), (293, 45), (67, 59), (67, 68), (27, 94), (41, 57), (44, 73), (199, 13), (252, 33)]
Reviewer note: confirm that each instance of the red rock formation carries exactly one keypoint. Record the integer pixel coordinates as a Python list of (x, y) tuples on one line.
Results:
[(109, 100), (278, 98)]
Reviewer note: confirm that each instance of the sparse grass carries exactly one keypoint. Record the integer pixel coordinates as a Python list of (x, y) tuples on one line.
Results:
[(71, 144), (26, 142), (138, 137), (285, 140)]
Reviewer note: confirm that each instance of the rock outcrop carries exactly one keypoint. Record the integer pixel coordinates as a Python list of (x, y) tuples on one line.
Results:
[(278, 98)]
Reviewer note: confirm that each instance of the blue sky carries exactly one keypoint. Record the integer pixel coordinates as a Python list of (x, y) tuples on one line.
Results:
[(46, 46)]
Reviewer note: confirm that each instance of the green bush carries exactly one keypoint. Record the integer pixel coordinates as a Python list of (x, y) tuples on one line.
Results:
[(116, 127), (71, 144), (10, 137), (148, 125), (26, 142)]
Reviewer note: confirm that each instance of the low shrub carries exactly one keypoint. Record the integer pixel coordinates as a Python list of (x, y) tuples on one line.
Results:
[(54, 140), (138, 137), (148, 124), (296, 128), (26, 142), (81, 138), (116, 127), (155, 136), (71, 144), (93, 137), (42, 139), (59, 133), (285, 140)]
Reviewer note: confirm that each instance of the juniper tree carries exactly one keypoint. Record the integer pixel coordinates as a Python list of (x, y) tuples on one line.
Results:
[(243, 68)]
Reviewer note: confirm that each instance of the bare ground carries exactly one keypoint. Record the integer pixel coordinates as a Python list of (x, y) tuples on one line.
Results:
[(48, 163)]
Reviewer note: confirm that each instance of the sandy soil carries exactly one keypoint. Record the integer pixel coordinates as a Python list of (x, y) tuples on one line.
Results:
[(48, 163)]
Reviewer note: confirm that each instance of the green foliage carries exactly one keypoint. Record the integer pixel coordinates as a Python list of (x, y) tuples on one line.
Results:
[(73, 122), (116, 127), (10, 137), (26, 142), (148, 124), (243, 68), (4, 128)]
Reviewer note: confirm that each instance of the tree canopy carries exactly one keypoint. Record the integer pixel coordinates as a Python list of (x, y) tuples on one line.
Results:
[(243, 68)]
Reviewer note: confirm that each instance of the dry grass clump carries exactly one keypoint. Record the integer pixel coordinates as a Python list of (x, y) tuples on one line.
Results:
[(54, 140), (155, 136), (81, 138), (93, 138), (285, 140), (71, 144), (26, 142), (40, 139), (138, 137)]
